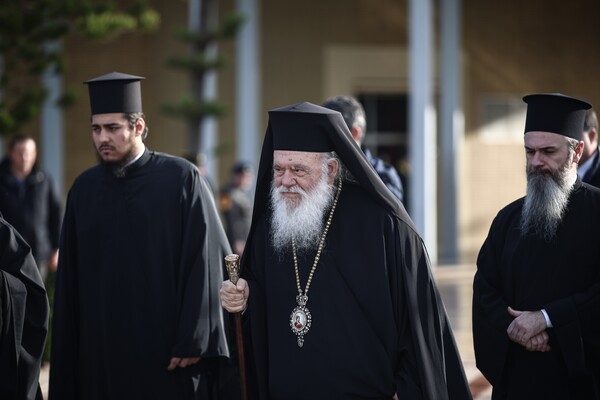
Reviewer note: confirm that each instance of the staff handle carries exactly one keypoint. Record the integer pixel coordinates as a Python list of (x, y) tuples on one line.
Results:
[(232, 263)]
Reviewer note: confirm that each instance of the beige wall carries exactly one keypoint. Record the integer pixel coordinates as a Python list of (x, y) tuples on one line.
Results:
[(510, 48), (137, 54), (514, 48), (297, 34)]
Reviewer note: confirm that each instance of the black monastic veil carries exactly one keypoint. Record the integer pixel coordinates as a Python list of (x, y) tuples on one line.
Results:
[(379, 325)]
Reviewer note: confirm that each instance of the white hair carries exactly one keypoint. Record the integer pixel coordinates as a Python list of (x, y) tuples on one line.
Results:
[(304, 220)]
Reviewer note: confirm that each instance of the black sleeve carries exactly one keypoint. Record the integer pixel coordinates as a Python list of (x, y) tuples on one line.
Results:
[(490, 315), (24, 317)]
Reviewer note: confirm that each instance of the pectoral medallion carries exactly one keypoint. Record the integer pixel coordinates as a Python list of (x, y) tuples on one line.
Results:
[(300, 319)]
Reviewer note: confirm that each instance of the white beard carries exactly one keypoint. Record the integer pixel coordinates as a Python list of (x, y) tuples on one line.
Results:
[(301, 220), (546, 201)]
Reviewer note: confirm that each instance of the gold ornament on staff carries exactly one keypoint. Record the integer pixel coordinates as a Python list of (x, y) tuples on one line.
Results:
[(232, 264)]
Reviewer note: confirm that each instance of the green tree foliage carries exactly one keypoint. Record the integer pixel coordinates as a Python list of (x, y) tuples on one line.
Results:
[(28, 27), (191, 107)]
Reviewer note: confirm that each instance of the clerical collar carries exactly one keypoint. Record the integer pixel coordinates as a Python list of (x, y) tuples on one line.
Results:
[(139, 155), (585, 167), (120, 171)]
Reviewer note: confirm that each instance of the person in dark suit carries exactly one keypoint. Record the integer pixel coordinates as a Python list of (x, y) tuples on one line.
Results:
[(589, 165), (30, 202), (354, 116)]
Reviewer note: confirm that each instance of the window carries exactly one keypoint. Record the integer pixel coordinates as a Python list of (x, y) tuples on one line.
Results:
[(387, 130)]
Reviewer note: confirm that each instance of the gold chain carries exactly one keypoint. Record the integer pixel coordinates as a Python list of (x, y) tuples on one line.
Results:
[(320, 248)]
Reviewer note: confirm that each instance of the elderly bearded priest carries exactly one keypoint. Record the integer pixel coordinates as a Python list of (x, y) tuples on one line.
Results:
[(331, 248), (536, 308)]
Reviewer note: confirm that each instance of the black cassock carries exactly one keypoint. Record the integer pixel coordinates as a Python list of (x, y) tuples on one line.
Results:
[(378, 324), (140, 268), (529, 274), (24, 313)]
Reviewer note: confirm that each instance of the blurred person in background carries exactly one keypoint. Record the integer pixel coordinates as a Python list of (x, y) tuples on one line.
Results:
[(29, 202), (235, 202), (589, 165), (199, 160), (354, 116)]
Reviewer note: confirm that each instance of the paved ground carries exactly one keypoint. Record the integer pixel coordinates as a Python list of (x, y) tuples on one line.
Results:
[(44, 379), (455, 284), (456, 287)]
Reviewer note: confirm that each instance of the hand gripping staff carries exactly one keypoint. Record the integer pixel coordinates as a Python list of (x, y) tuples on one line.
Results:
[(232, 263)]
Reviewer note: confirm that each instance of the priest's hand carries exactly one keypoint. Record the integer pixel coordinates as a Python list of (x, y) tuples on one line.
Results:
[(540, 342), (234, 298), (525, 326), (182, 362)]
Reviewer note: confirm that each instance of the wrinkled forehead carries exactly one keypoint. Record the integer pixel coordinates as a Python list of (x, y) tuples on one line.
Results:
[(287, 157), (544, 139)]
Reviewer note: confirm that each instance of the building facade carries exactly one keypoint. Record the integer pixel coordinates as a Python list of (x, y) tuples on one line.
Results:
[(310, 50)]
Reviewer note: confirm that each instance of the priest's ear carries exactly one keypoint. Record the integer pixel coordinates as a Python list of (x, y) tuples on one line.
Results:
[(578, 152), (140, 127), (333, 167)]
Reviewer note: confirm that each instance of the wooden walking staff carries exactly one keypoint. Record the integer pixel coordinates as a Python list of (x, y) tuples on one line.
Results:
[(232, 263)]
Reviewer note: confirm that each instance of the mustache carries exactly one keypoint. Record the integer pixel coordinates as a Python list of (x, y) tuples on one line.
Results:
[(291, 189), (543, 173), (539, 171)]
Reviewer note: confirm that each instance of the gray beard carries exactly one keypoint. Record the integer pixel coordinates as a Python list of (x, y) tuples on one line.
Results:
[(302, 221), (546, 202)]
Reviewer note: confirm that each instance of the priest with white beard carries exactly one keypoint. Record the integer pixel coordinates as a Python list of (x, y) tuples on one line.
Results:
[(536, 300), (336, 290)]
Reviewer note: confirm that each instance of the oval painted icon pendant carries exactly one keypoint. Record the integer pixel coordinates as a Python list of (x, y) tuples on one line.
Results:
[(300, 319)]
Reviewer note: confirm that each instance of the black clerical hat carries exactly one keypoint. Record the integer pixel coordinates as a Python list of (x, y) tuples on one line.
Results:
[(556, 113), (115, 93), (308, 127), (303, 127)]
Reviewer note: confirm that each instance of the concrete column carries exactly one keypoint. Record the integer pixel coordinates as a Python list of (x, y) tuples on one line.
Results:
[(208, 127), (248, 83), (452, 128), (51, 146), (422, 126)]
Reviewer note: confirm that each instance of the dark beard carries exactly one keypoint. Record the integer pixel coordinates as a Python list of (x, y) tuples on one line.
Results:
[(117, 168)]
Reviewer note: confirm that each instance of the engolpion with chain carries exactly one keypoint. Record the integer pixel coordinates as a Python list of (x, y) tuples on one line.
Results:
[(300, 319)]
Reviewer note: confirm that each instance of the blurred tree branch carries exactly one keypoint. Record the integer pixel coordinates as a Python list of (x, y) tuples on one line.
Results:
[(192, 107), (27, 27)]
